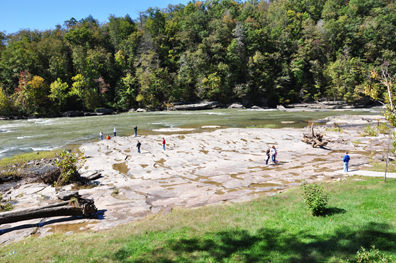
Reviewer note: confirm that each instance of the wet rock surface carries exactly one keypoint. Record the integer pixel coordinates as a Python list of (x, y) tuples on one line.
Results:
[(209, 168)]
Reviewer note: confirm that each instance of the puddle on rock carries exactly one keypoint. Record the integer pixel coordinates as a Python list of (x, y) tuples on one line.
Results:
[(204, 151), (235, 176), (143, 165), (160, 162), (121, 167), (76, 228)]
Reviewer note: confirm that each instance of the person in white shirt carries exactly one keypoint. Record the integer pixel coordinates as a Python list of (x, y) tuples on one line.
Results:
[(115, 131), (273, 154)]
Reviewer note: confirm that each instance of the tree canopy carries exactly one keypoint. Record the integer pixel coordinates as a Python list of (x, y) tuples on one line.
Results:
[(263, 52)]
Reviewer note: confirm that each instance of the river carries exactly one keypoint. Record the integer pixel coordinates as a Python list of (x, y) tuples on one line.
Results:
[(19, 136)]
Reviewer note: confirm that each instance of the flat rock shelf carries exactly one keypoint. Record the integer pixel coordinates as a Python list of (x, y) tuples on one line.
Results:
[(197, 169)]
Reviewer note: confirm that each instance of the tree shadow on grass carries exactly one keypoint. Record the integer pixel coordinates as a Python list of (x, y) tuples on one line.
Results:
[(329, 211), (266, 245)]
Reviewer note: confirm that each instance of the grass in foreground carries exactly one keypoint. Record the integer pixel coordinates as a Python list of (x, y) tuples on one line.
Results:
[(268, 229)]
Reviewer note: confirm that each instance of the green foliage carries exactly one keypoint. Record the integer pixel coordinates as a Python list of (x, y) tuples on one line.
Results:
[(67, 164), (369, 131), (6, 103), (383, 128), (6, 207), (315, 198), (265, 52), (58, 90)]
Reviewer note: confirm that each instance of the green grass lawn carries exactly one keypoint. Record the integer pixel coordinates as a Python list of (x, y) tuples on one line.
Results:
[(267, 229)]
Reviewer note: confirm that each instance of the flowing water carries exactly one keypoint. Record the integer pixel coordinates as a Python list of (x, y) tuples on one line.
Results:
[(18, 136)]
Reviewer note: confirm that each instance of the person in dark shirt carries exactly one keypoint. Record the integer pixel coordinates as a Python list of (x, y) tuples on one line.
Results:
[(135, 129), (268, 156), (346, 161), (138, 146)]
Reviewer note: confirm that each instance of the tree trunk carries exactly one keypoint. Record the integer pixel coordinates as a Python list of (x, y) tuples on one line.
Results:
[(83, 207)]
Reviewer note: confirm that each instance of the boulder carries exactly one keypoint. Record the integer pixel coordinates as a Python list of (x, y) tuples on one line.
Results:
[(256, 107), (141, 110), (206, 105), (132, 110), (236, 105), (280, 107)]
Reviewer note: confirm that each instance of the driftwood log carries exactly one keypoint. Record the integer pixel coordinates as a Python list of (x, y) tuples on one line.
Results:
[(76, 207), (316, 140)]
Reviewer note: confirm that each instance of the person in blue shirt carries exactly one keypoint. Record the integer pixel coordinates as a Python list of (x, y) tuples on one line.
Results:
[(346, 161)]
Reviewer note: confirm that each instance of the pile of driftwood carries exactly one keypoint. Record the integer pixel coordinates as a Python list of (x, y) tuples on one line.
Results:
[(75, 206), (316, 140)]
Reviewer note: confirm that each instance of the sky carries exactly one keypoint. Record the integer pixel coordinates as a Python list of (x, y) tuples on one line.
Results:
[(46, 14)]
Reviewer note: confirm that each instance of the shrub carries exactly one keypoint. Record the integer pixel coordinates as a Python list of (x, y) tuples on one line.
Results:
[(383, 128), (315, 198), (370, 131), (67, 164)]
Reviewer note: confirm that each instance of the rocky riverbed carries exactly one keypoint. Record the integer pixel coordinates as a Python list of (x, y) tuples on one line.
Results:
[(196, 169)]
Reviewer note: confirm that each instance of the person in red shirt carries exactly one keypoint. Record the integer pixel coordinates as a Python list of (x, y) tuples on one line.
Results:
[(108, 137), (163, 143)]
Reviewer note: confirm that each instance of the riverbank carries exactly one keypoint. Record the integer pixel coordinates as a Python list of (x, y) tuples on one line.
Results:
[(197, 169)]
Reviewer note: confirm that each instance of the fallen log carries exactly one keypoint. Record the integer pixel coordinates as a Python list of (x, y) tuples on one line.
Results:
[(74, 207)]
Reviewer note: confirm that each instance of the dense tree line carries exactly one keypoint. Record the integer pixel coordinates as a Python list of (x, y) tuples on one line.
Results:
[(265, 52)]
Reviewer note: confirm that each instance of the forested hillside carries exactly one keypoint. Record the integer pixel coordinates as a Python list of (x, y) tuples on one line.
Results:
[(266, 52)]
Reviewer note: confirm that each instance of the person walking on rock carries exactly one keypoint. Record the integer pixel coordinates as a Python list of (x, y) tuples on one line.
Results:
[(138, 146), (115, 131), (346, 161), (101, 135), (268, 156), (163, 143), (135, 129)]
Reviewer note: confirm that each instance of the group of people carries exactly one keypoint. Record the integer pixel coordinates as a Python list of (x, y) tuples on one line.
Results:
[(139, 144), (271, 154), (115, 133)]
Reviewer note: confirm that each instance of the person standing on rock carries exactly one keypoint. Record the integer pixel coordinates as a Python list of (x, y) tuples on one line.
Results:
[(268, 156), (135, 129), (101, 135), (346, 161), (138, 146), (163, 143), (115, 131), (273, 154), (108, 137)]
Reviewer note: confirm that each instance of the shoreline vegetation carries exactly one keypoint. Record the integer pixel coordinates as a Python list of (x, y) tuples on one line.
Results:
[(208, 105)]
